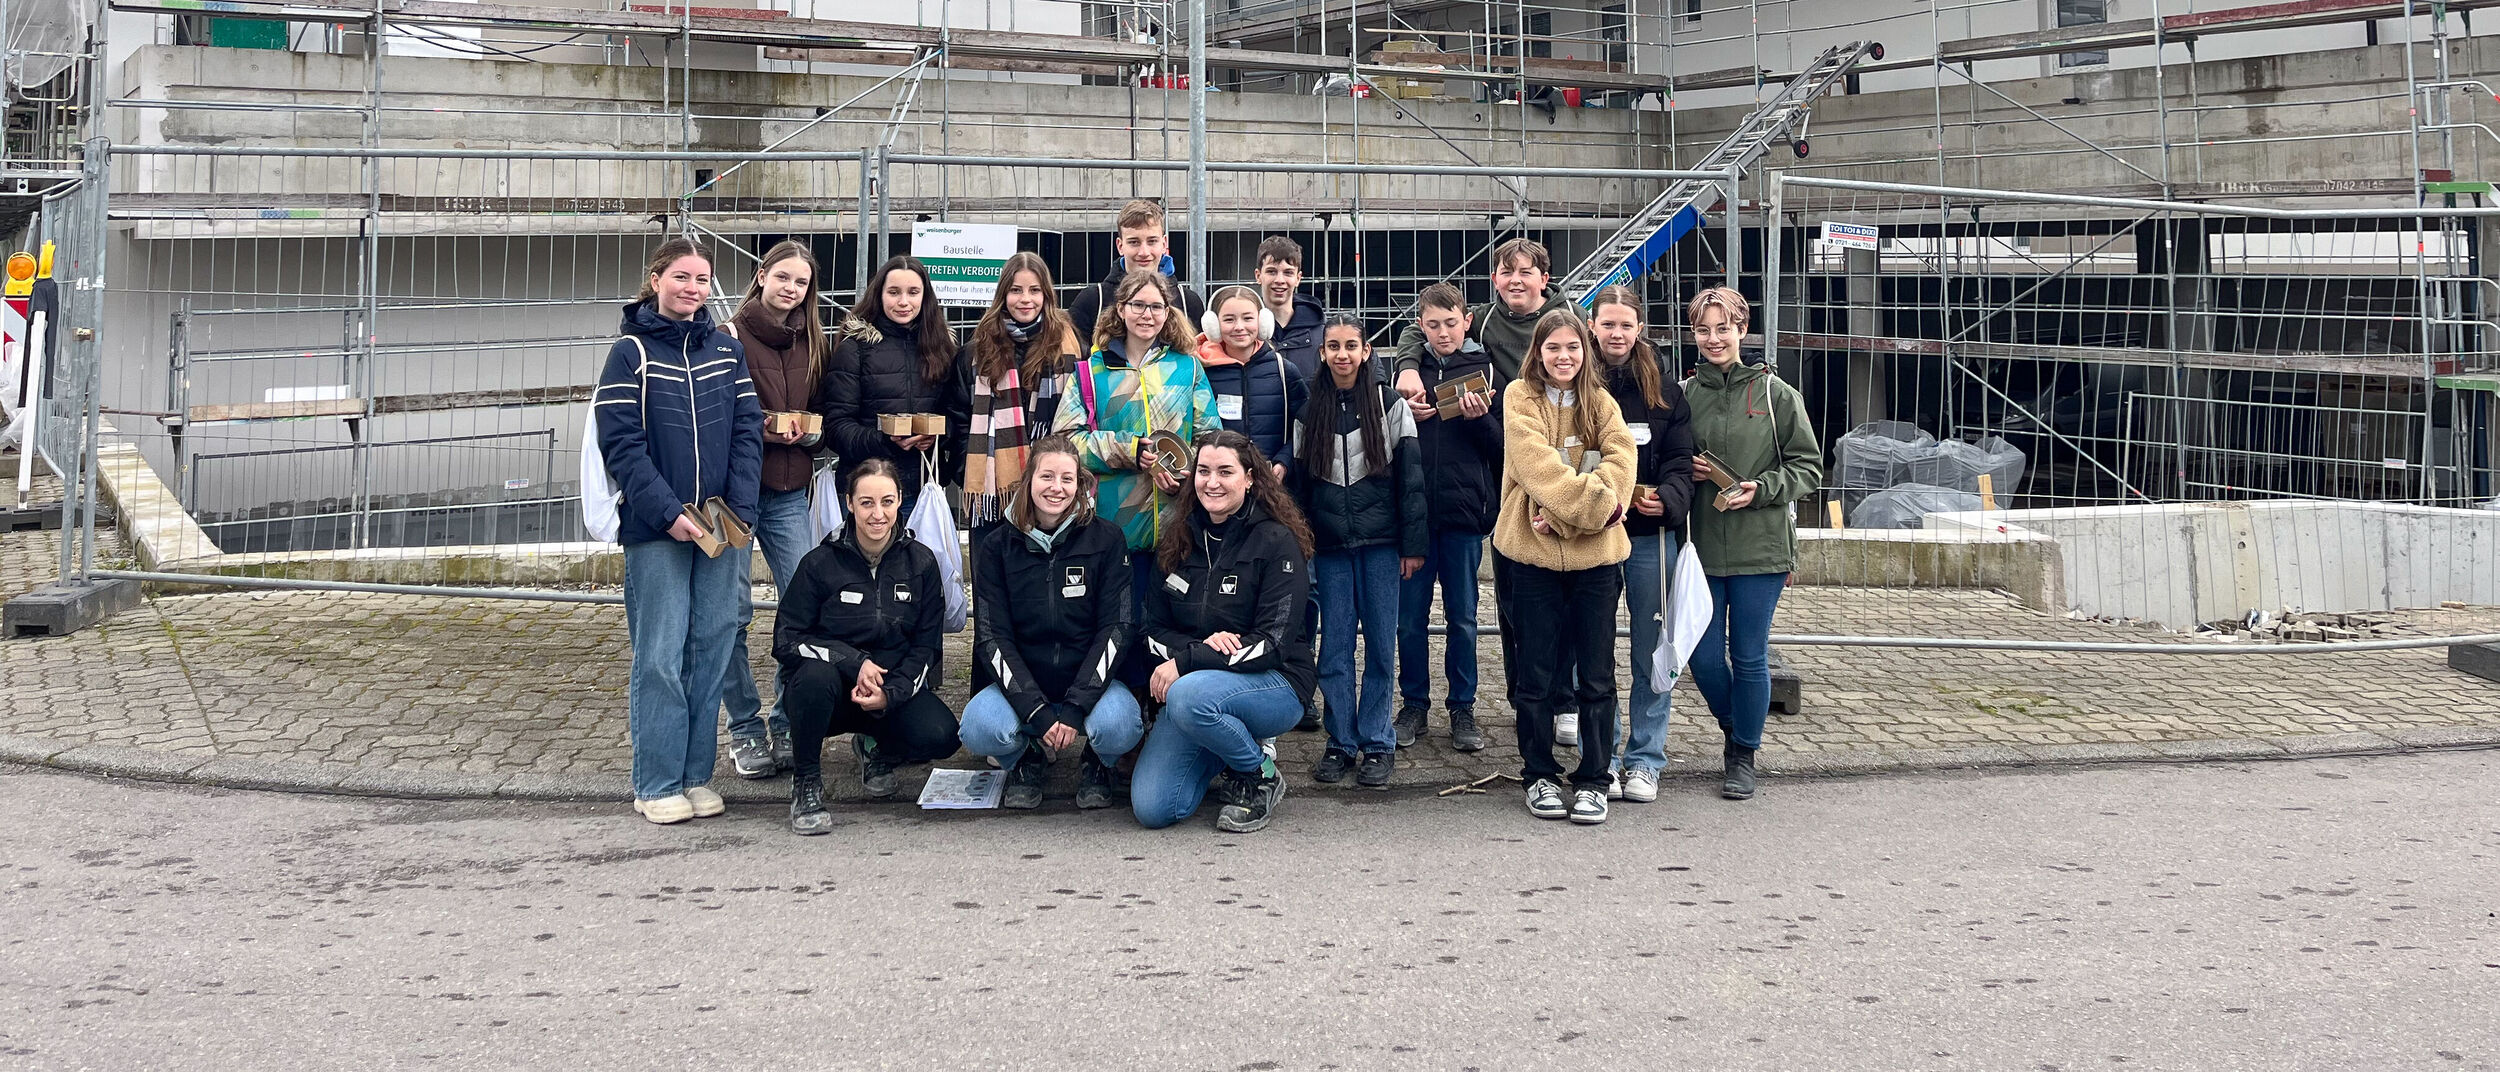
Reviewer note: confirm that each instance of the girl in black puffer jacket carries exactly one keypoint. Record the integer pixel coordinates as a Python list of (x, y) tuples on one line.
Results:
[(896, 355), (1360, 478)]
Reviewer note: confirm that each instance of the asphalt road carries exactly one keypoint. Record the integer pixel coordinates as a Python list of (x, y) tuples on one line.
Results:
[(2327, 914)]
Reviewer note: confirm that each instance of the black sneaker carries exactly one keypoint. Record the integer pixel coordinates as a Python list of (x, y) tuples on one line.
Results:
[(1377, 766), (1410, 723), (751, 757), (785, 756), (1310, 714), (1332, 767), (808, 815), (1588, 806), (1026, 780), (1253, 800), (1545, 799), (1464, 736), (1093, 783), (876, 774), (1738, 782)]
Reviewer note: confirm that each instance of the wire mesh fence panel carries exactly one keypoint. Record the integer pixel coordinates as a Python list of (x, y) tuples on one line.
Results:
[(2205, 415)]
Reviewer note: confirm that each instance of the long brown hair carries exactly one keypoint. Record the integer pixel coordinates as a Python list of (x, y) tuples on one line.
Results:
[(992, 349), (937, 341), (1179, 526), (1020, 506), (811, 324), (1176, 334), (1319, 413), (1646, 370), (667, 254), (1590, 384)]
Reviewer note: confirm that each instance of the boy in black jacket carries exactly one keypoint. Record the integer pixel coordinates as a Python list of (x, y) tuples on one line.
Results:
[(1462, 456)]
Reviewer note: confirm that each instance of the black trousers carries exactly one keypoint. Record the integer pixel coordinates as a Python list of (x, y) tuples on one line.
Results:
[(1566, 622), (820, 706)]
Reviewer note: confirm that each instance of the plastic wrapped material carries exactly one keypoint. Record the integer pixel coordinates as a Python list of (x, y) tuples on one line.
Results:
[(1958, 465), (1877, 454), (1906, 506)]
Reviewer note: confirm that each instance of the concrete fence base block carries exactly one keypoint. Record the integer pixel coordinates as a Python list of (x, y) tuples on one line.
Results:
[(61, 609), (2480, 660)]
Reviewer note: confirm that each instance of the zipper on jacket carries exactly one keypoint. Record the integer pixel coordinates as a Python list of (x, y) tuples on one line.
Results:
[(693, 416)]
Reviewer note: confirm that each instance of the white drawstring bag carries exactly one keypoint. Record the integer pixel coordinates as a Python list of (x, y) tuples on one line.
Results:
[(601, 498), (1686, 612), (933, 524), (824, 506)]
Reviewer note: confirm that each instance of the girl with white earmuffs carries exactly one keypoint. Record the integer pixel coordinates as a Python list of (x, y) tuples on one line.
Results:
[(1257, 392)]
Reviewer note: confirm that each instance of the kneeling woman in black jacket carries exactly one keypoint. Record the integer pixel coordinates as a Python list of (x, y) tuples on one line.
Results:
[(1224, 630), (858, 636), (1051, 620)]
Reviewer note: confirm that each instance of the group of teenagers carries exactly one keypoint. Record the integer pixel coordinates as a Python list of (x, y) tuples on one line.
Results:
[(1310, 494)]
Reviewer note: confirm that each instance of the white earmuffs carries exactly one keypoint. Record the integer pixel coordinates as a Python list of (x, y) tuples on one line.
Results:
[(1211, 325)]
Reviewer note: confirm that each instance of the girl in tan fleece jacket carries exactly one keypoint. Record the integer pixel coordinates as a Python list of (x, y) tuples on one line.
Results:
[(1567, 470)]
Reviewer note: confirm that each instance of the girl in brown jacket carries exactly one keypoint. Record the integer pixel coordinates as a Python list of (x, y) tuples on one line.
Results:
[(785, 345), (1567, 471)]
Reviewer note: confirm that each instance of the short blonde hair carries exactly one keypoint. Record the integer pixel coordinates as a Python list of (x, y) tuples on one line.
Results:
[(1726, 300)]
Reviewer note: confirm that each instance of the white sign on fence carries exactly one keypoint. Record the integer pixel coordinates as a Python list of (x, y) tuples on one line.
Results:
[(1851, 235), (963, 259)]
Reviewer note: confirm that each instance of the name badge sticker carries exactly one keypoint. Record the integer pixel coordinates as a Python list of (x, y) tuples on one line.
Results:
[(1640, 433), (1072, 580), (1228, 407), (853, 597), (1177, 583)]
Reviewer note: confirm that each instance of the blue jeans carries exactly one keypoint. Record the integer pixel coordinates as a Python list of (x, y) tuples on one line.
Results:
[(1358, 592), (1212, 720), (683, 611), (781, 530), (1653, 560), (991, 727), (1452, 559), (1739, 633)]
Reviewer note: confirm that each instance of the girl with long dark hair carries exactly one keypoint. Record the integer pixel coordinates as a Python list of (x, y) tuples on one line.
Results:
[(896, 355)]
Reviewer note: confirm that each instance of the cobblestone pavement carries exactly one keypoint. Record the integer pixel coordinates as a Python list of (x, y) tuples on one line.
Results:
[(510, 690)]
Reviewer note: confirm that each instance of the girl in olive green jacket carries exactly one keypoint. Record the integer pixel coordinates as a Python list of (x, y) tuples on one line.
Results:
[(1746, 536)]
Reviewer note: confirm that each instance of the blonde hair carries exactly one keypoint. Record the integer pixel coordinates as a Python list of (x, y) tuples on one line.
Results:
[(1724, 299)]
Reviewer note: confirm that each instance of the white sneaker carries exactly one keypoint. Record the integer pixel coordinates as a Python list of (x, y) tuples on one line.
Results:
[(1640, 786), (1545, 800), (1567, 729), (706, 802), (1614, 785), (1588, 807), (665, 810)]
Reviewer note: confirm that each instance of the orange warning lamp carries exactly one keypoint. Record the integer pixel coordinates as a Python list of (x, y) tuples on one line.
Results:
[(21, 274)]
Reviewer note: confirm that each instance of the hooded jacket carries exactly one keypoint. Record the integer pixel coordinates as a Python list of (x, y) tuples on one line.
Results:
[(841, 610), (1051, 624), (678, 421), (1662, 440), (1298, 338), (1505, 334), (1247, 576), (874, 370), (1352, 505), (785, 381), (1259, 398), (1462, 456), (1089, 305), (1541, 462), (1128, 401), (1757, 424)]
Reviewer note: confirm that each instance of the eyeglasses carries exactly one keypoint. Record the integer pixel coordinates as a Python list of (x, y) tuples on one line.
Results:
[(1145, 308)]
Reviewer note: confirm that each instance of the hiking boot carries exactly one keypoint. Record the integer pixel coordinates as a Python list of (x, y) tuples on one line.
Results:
[(1376, 769), (1310, 714), (1588, 806), (1640, 786), (808, 814), (751, 757), (1464, 736), (1410, 723), (1738, 782), (1093, 783), (1026, 780), (1253, 802), (1332, 767), (876, 773), (673, 808), (1545, 799), (1567, 728), (707, 802), (784, 758)]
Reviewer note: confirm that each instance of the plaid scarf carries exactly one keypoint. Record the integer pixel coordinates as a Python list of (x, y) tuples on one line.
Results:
[(1002, 435)]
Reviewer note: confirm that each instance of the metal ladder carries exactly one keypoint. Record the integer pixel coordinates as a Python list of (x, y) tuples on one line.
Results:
[(1630, 252)]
